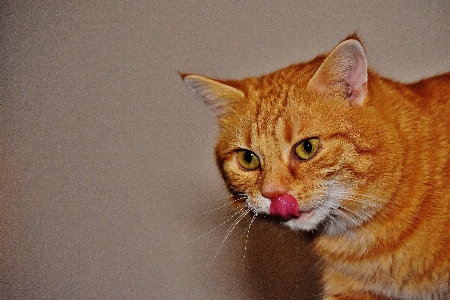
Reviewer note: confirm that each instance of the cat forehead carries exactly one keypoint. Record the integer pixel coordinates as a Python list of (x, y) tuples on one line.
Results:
[(283, 91), (272, 99), (269, 122), (292, 79), (270, 105), (277, 107)]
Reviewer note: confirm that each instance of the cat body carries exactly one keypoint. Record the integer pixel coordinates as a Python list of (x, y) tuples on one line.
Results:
[(330, 146)]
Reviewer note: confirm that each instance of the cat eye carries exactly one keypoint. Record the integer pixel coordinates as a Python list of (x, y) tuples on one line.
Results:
[(248, 160), (306, 148)]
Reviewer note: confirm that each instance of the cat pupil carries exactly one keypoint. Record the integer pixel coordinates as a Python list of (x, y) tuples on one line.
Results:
[(307, 146), (248, 156)]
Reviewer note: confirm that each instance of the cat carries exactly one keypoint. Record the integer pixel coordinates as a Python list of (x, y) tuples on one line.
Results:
[(331, 147)]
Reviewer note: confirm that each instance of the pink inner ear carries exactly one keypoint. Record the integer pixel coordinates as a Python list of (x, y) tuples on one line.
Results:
[(344, 70), (285, 206), (356, 79)]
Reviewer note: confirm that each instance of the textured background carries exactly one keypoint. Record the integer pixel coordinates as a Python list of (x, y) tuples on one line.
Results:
[(107, 177)]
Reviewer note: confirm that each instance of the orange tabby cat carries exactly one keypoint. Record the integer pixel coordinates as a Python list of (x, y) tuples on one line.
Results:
[(332, 147)]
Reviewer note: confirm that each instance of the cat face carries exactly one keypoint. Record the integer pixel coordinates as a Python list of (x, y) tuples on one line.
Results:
[(302, 147), (300, 143)]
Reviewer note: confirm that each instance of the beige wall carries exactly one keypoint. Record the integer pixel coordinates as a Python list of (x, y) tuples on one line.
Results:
[(107, 173)]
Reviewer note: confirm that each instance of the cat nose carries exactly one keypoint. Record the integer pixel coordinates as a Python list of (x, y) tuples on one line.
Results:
[(275, 184), (272, 191), (273, 194)]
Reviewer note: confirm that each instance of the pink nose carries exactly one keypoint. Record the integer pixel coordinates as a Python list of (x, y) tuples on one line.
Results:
[(285, 206)]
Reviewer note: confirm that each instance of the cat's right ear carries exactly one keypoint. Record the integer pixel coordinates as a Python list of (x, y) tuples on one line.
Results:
[(343, 72), (219, 96)]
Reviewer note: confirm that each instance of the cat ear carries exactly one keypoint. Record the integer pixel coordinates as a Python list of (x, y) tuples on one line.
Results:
[(344, 71), (218, 96)]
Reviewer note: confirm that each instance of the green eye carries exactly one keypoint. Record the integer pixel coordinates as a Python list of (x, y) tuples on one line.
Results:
[(248, 160), (307, 148)]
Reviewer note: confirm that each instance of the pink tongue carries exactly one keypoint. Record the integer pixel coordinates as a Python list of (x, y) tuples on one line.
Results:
[(284, 206)]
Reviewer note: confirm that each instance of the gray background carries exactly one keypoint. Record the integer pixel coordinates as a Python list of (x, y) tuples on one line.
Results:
[(107, 178)]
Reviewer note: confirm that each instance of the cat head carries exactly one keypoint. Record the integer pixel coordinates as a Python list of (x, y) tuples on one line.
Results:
[(297, 143)]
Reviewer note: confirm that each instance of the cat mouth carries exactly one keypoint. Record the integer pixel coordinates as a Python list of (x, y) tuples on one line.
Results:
[(302, 218), (302, 215), (306, 220), (286, 207), (306, 213)]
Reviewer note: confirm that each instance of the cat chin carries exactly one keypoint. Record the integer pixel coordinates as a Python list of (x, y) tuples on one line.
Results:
[(307, 221)]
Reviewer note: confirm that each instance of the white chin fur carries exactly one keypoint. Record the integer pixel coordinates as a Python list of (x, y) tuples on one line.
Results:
[(307, 221)]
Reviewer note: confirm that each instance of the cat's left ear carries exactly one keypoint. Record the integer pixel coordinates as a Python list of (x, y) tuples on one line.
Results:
[(344, 72), (219, 96)]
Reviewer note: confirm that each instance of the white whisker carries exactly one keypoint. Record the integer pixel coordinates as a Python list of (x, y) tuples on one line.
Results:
[(248, 231), (228, 218), (228, 204), (234, 224), (330, 215)]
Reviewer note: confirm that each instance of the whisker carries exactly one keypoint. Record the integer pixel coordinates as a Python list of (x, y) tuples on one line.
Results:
[(231, 213), (330, 215), (363, 216), (228, 204), (348, 216), (347, 194), (354, 195), (370, 207), (202, 203), (341, 207), (228, 218), (233, 225), (246, 237), (365, 199)]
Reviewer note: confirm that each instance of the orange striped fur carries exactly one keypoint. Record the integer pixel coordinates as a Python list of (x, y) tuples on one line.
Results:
[(377, 189)]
